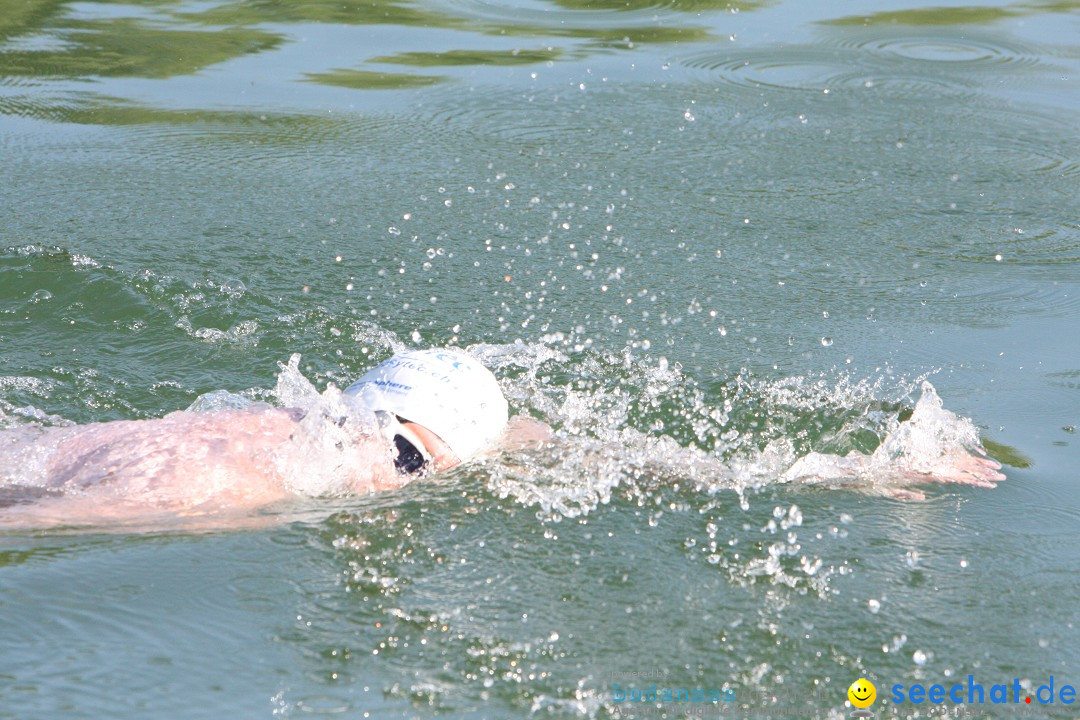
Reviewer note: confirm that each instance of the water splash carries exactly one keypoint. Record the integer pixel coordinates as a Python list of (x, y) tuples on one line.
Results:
[(324, 456), (228, 454), (625, 428), (638, 427)]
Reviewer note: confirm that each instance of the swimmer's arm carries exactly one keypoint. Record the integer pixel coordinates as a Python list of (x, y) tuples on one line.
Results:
[(525, 433), (894, 477)]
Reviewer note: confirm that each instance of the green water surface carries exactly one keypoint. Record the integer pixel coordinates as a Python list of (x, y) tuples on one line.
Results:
[(726, 195)]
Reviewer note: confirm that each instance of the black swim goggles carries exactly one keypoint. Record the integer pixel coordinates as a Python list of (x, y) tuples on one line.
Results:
[(410, 455)]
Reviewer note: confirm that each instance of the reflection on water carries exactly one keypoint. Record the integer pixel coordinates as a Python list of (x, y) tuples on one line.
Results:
[(335, 12), (94, 109), (43, 39), (51, 40), (909, 59), (367, 80), (471, 57), (965, 15), (65, 47)]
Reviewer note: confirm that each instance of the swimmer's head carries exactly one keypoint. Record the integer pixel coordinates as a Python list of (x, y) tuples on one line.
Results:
[(446, 391)]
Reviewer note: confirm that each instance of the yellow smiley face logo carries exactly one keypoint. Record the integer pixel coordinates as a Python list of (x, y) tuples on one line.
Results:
[(862, 693)]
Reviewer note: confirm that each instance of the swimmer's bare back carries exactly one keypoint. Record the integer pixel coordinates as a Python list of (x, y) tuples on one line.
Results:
[(182, 465)]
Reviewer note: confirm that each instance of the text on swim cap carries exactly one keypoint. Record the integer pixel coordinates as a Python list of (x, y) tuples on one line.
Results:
[(395, 362), (393, 385)]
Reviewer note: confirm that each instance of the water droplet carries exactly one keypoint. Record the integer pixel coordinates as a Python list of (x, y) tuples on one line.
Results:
[(874, 605), (393, 230), (826, 341), (919, 657), (40, 296)]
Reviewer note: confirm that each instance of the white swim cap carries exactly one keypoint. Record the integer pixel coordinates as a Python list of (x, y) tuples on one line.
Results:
[(447, 391)]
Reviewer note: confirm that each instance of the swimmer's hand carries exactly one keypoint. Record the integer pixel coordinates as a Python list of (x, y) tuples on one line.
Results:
[(960, 467), (894, 477)]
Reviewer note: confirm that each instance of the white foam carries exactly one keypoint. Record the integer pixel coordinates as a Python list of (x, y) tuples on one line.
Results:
[(637, 424), (324, 457), (925, 444)]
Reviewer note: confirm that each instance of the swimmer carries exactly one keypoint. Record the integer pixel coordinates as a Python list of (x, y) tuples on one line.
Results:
[(417, 414)]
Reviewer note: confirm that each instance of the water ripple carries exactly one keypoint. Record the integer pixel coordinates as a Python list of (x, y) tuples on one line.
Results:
[(816, 69), (914, 62), (966, 52)]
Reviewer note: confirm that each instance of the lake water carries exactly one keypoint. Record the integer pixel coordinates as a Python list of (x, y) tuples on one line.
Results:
[(680, 232)]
